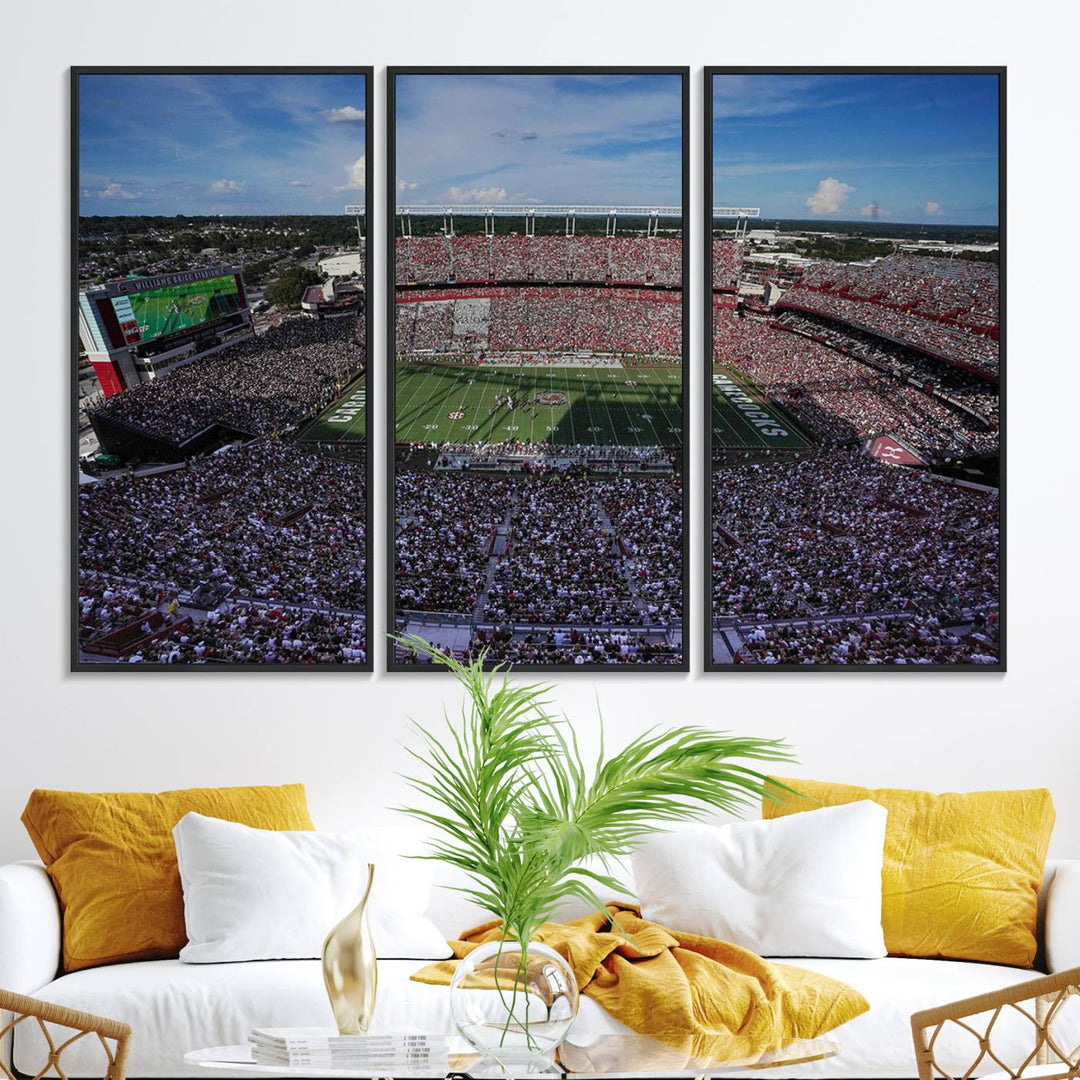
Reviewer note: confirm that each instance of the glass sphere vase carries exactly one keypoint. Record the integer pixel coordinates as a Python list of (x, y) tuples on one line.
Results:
[(514, 1004)]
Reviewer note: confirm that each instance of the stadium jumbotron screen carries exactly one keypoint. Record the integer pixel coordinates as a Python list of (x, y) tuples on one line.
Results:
[(154, 313)]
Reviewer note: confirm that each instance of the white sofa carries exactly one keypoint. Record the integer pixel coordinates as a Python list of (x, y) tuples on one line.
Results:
[(175, 1007)]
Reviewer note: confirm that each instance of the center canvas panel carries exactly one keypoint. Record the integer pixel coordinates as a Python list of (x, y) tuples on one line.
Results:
[(537, 336)]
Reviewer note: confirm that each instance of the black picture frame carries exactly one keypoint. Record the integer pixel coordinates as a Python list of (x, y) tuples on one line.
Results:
[(76, 72), (707, 621), (392, 72)]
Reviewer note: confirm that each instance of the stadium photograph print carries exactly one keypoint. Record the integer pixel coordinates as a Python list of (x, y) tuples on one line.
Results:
[(854, 414), (220, 464), (537, 240)]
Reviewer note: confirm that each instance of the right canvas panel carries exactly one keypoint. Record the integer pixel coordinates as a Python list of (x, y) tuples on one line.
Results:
[(855, 413)]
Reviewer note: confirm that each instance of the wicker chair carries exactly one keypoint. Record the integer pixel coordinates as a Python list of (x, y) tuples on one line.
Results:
[(1040, 1002), (108, 1032)]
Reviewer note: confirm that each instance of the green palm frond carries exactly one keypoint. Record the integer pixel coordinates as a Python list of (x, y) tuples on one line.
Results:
[(517, 809)]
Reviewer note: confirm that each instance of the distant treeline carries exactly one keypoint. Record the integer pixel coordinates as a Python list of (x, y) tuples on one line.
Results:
[(848, 249), (971, 256), (229, 233), (951, 234)]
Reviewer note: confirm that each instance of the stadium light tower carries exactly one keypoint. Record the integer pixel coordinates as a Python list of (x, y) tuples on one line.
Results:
[(741, 214), (358, 212)]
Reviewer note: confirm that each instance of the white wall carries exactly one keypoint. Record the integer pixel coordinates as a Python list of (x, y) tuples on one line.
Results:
[(341, 733)]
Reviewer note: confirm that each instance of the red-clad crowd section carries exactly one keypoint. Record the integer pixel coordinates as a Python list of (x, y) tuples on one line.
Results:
[(653, 260)]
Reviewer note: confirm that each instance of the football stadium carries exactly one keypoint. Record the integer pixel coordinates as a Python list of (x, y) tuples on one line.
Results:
[(855, 462), (225, 521), (539, 434)]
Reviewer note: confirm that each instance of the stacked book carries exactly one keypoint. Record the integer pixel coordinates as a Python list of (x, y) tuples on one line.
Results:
[(385, 1052)]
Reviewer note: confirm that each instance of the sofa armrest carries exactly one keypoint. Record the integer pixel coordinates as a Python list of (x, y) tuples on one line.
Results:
[(1062, 932), (29, 928)]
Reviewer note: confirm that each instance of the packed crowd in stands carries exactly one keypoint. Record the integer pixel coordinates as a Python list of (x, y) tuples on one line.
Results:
[(263, 522), (839, 397), (836, 533), (544, 318), (956, 290), (262, 385), (946, 307), (107, 604), (652, 260), (561, 565), (539, 454), (572, 647), (245, 633), (647, 517), (726, 263), (444, 527), (977, 394), (973, 351), (916, 640), (539, 360), (588, 552)]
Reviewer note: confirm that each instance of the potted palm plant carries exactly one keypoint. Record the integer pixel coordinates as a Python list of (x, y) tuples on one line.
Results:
[(514, 805)]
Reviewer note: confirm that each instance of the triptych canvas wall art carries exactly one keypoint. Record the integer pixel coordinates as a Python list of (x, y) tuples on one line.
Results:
[(538, 369)]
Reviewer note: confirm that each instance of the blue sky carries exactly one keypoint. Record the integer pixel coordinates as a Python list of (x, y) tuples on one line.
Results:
[(484, 139), (232, 144), (910, 148)]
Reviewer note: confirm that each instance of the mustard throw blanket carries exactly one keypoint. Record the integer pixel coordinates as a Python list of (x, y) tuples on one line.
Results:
[(703, 998)]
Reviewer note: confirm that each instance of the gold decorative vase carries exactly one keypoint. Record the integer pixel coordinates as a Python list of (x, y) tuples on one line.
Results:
[(349, 968)]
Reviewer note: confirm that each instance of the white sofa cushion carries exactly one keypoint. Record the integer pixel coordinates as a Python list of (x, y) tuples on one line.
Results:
[(1062, 917), (175, 1007), (805, 885), (29, 927), (258, 894)]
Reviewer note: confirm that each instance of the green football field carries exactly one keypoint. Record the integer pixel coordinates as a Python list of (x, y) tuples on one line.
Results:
[(743, 417), (177, 307), (610, 406), (345, 420)]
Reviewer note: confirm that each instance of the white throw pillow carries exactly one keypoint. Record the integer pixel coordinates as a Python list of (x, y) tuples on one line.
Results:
[(259, 894), (804, 885)]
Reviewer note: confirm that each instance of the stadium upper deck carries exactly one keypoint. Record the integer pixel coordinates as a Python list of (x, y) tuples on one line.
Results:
[(947, 309), (596, 260)]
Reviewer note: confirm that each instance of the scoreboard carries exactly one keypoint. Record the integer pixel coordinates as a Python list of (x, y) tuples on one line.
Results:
[(132, 328)]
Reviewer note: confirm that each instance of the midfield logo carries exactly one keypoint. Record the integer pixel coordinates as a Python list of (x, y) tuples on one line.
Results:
[(551, 397)]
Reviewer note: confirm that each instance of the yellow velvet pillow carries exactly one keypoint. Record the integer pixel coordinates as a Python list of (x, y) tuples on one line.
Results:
[(961, 872), (113, 863)]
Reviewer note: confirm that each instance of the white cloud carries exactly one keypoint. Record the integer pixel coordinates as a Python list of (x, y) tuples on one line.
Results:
[(932, 208), (116, 191), (357, 173), (298, 183), (347, 114), (407, 185), (457, 196), (830, 196), (619, 146), (227, 187)]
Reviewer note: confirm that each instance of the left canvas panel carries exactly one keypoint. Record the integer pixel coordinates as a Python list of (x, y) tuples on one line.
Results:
[(220, 338)]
